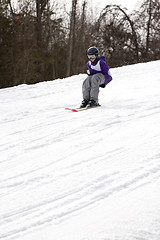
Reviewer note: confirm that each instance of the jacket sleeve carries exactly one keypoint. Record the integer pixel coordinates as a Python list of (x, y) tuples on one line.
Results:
[(105, 71), (104, 68)]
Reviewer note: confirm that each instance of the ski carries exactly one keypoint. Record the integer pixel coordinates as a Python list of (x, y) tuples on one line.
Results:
[(74, 109), (81, 109)]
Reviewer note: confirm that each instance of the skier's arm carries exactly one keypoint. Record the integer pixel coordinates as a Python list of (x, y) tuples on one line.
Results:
[(105, 71), (104, 68)]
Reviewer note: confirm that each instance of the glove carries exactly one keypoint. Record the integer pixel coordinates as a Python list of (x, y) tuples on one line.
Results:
[(88, 72)]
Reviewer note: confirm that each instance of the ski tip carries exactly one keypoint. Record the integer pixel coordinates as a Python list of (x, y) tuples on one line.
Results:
[(74, 110)]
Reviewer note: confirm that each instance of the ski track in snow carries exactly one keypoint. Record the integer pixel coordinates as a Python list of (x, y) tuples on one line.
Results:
[(56, 164)]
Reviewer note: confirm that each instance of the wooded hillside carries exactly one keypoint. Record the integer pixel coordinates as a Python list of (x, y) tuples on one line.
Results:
[(40, 40)]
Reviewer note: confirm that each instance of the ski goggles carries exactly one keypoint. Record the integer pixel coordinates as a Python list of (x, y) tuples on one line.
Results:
[(91, 56)]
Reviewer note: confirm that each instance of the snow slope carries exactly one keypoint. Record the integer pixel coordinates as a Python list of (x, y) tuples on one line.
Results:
[(91, 175)]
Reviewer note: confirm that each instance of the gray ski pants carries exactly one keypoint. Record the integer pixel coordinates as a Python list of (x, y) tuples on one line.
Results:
[(90, 87)]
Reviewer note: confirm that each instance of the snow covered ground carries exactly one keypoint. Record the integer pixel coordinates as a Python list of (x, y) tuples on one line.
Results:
[(91, 175)]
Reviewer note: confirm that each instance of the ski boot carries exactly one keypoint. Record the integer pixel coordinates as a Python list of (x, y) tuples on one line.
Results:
[(84, 103), (92, 103)]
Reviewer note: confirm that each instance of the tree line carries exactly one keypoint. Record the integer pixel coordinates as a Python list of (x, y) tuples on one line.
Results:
[(40, 41)]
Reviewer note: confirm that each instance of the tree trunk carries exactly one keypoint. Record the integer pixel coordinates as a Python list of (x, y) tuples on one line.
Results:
[(81, 40), (148, 27), (39, 24), (71, 36)]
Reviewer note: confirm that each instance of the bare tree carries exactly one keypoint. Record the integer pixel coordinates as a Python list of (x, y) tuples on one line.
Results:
[(40, 6), (120, 19), (147, 22)]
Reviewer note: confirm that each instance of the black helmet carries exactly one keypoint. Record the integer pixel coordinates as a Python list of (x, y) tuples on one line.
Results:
[(92, 51)]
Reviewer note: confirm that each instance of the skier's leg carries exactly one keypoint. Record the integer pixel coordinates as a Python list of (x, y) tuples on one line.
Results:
[(86, 88), (97, 79)]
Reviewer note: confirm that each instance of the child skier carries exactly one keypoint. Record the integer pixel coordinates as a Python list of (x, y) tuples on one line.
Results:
[(98, 76)]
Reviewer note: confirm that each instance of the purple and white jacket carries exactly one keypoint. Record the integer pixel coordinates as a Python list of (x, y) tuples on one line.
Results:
[(100, 66)]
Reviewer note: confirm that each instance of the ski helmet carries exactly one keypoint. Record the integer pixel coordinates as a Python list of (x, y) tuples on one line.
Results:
[(92, 52)]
